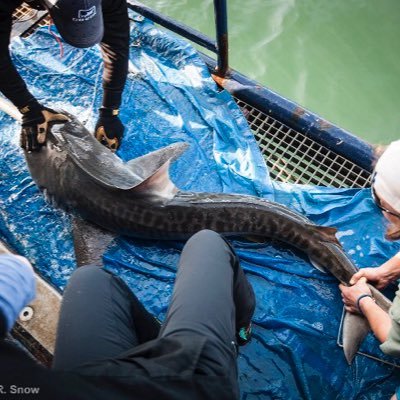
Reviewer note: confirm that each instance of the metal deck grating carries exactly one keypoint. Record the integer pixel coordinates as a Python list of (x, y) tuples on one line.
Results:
[(26, 20), (24, 13), (295, 158)]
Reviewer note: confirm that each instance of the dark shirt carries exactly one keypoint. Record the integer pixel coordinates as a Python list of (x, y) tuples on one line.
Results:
[(114, 45)]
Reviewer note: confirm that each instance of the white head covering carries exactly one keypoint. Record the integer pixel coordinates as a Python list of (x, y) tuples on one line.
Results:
[(387, 178)]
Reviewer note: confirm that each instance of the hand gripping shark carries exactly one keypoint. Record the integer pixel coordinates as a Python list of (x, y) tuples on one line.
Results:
[(138, 199)]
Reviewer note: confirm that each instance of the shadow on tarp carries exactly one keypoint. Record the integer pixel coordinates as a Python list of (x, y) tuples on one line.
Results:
[(170, 97)]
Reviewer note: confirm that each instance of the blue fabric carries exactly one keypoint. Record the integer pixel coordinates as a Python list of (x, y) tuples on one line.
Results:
[(17, 287), (170, 97)]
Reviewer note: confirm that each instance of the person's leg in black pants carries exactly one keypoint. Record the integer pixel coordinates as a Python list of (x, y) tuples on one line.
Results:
[(209, 291), (212, 298), (100, 318)]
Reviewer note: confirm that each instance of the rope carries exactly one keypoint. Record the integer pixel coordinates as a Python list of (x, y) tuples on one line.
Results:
[(58, 40)]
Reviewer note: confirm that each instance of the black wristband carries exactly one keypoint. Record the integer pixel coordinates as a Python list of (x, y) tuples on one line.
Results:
[(360, 298)]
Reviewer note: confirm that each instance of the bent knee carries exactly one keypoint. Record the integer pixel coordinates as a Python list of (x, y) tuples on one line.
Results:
[(88, 272), (207, 235)]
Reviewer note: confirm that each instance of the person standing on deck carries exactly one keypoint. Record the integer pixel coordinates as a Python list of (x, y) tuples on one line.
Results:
[(385, 189), (108, 346), (81, 23)]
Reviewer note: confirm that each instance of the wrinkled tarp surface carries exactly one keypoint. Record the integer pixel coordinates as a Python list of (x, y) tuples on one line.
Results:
[(171, 97)]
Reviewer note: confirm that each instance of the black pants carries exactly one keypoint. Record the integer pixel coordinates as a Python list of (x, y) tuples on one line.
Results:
[(101, 318)]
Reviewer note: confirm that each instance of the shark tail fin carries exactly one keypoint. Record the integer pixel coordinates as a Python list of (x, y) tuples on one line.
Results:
[(354, 330)]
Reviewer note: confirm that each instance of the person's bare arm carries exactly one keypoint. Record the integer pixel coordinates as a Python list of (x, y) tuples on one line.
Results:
[(379, 321), (380, 276)]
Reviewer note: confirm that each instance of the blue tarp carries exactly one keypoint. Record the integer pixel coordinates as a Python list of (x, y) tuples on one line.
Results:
[(170, 97)]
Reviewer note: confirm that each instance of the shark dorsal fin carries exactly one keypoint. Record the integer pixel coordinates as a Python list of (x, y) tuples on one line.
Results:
[(159, 184), (150, 163), (159, 161)]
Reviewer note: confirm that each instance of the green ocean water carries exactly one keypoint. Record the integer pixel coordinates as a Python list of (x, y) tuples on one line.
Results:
[(337, 58)]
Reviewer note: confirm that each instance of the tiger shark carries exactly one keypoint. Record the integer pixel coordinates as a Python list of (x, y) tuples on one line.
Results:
[(138, 199)]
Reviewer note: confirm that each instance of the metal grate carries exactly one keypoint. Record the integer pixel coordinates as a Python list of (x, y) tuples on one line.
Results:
[(295, 158), (26, 20), (24, 14)]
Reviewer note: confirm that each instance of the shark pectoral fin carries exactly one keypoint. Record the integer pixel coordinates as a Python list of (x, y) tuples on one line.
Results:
[(317, 265), (354, 330), (90, 242)]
